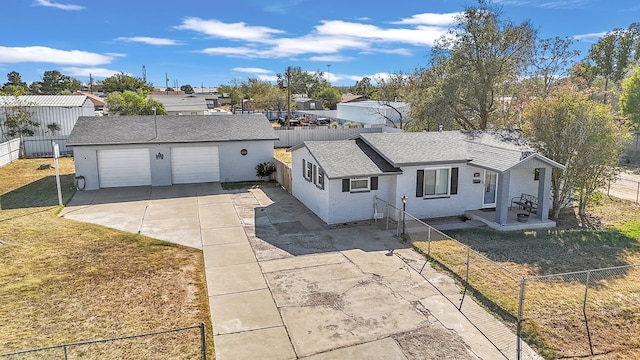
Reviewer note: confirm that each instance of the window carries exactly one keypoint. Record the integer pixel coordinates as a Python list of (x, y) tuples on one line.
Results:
[(360, 184), (437, 182), (320, 182), (536, 174), (309, 171)]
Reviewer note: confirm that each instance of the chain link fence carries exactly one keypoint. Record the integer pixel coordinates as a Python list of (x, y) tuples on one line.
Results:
[(181, 343), (579, 314)]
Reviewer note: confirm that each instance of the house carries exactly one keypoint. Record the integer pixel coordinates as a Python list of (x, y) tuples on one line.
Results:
[(183, 104), (98, 102), (308, 104), (55, 114), (442, 173), (163, 150), (373, 112), (346, 98)]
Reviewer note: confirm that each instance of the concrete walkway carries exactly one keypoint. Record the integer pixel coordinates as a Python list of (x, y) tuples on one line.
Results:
[(283, 285)]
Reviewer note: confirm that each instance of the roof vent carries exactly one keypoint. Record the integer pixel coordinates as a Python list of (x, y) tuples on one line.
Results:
[(440, 127)]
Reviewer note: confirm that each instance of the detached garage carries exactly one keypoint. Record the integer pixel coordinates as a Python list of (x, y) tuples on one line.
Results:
[(164, 150)]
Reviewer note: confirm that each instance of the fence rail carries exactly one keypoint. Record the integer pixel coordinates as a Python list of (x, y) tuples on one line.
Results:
[(564, 315), (40, 146), (87, 349), (294, 136)]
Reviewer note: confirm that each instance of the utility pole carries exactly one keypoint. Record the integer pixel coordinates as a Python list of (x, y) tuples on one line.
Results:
[(166, 82), (144, 73), (328, 72), (288, 95)]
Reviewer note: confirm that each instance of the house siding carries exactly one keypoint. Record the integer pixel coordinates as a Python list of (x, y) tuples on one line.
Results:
[(354, 206), (236, 167), (314, 198)]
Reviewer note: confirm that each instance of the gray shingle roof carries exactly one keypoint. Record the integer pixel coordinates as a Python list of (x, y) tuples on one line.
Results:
[(170, 129), (402, 149), (348, 158)]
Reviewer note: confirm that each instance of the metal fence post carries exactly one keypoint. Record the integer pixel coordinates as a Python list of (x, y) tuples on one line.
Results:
[(203, 342), (66, 356), (584, 310), (637, 193), (519, 330), (429, 241)]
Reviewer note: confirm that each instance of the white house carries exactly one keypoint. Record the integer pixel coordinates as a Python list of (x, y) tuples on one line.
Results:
[(441, 173), (373, 112), (163, 150), (55, 114)]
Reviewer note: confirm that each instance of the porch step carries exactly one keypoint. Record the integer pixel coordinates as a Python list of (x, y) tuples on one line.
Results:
[(460, 225)]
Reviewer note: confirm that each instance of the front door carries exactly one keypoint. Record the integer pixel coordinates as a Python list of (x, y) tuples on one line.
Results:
[(490, 186)]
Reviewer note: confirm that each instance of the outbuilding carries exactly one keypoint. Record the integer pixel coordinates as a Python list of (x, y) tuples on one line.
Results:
[(164, 150)]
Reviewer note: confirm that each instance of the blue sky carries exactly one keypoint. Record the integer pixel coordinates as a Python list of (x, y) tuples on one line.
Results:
[(213, 42)]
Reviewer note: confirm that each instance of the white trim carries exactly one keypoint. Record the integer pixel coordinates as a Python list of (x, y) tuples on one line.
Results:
[(424, 182), (368, 188)]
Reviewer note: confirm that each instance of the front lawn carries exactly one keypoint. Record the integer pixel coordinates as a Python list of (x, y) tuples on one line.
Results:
[(553, 307), (63, 281)]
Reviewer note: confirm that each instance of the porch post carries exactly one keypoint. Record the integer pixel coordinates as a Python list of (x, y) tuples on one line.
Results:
[(502, 197), (544, 190)]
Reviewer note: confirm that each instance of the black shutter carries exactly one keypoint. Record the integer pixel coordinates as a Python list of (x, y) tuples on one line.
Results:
[(315, 177), (304, 168), (374, 183), (454, 181), (420, 184), (345, 185)]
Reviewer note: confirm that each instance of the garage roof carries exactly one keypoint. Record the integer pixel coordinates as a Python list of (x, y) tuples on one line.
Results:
[(170, 129)]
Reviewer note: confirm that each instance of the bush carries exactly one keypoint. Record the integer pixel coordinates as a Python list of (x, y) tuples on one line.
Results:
[(265, 169)]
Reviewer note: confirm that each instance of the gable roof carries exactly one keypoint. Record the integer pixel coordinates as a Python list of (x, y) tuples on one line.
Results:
[(170, 129), (44, 100), (348, 158), (385, 153)]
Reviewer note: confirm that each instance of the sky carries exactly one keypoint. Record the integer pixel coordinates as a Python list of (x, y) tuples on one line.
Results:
[(213, 42)]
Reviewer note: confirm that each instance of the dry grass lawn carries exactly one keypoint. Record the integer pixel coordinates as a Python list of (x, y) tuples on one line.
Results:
[(282, 155), (63, 281), (553, 312)]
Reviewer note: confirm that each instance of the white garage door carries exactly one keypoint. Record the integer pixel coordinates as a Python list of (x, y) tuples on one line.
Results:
[(124, 167), (194, 165)]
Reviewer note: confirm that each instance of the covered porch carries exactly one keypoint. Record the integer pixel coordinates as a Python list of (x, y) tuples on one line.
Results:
[(488, 217)]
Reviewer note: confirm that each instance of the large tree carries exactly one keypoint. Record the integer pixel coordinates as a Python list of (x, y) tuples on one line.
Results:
[(15, 85), (552, 60), (55, 83), (123, 82), (613, 53), (477, 59), (630, 98), (133, 103), (569, 128)]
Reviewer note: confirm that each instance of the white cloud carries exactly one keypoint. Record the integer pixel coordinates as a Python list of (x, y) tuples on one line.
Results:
[(430, 19), (330, 58), (41, 54), (56, 5), (94, 72), (233, 31), (232, 51), (589, 36), (149, 40), (420, 35), (563, 4), (252, 70)]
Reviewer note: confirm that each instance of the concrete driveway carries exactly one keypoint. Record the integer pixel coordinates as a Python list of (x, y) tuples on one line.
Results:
[(283, 285)]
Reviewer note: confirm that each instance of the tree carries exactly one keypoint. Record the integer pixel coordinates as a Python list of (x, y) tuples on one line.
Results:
[(187, 89), (612, 54), (17, 119), (630, 98), (133, 103), (363, 87), (569, 128), (476, 60), (329, 95), (15, 85), (551, 62), (123, 82), (54, 82)]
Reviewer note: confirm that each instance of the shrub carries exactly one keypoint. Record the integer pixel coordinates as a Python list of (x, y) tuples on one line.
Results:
[(265, 169)]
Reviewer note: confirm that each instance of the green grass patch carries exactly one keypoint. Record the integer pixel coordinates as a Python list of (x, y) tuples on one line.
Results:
[(240, 185)]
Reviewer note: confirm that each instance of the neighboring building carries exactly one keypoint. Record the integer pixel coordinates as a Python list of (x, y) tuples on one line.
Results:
[(55, 114), (98, 102), (183, 104), (308, 104), (346, 98), (163, 150), (374, 112), (441, 173)]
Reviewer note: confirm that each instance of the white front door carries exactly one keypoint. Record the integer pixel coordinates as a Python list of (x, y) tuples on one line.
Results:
[(490, 189)]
